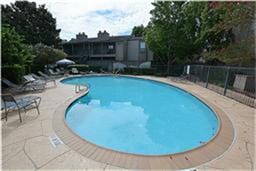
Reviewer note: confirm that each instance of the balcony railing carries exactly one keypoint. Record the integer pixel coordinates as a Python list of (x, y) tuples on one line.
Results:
[(103, 55)]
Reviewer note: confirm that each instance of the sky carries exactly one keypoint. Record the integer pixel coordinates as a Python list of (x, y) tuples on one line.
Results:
[(89, 16)]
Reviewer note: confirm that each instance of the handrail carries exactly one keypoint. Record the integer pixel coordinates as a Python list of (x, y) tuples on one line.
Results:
[(78, 88), (117, 72)]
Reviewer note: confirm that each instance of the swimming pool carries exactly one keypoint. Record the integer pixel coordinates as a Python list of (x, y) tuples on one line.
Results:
[(139, 116)]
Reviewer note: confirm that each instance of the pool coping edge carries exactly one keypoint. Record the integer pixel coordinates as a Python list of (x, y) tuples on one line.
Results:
[(183, 160)]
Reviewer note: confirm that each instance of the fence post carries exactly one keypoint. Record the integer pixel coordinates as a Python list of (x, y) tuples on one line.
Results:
[(226, 82), (207, 77)]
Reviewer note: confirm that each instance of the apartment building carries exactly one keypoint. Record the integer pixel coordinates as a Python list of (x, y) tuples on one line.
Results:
[(104, 50)]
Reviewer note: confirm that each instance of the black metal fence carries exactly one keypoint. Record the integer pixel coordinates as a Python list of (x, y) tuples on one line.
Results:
[(234, 82)]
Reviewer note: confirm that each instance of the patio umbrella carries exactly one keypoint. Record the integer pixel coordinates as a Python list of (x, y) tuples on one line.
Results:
[(118, 65), (145, 65), (65, 62)]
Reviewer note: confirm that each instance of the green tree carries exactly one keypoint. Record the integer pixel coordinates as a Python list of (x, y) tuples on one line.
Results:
[(155, 40), (16, 56), (236, 18), (191, 28), (14, 51), (179, 32), (239, 53), (214, 39), (138, 31), (164, 34), (45, 55), (36, 23), (236, 14)]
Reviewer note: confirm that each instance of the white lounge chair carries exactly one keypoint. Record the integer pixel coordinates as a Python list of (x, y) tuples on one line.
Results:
[(31, 79), (25, 103), (45, 79), (27, 86), (74, 71)]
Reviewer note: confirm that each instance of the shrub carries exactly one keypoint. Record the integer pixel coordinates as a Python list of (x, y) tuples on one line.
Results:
[(14, 51), (45, 55), (95, 68), (14, 73)]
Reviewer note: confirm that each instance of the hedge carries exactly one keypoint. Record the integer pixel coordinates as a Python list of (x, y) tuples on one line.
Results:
[(140, 71), (82, 67), (14, 73)]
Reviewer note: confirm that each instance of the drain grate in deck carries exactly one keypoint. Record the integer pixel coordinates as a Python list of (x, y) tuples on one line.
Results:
[(55, 141)]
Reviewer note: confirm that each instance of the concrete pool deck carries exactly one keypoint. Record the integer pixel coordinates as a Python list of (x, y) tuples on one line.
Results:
[(27, 145)]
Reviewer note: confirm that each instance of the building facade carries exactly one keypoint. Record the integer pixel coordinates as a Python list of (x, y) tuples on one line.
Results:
[(104, 50)]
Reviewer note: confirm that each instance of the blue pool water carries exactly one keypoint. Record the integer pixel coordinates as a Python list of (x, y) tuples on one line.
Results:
[(139, 116)]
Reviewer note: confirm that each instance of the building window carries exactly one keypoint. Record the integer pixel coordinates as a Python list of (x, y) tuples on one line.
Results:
[(110, 47), (142, 46)]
